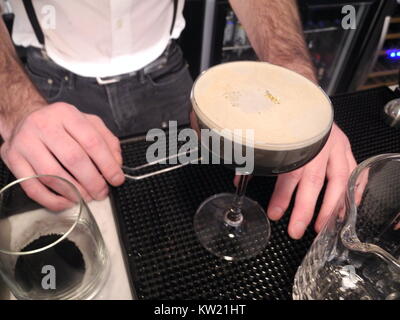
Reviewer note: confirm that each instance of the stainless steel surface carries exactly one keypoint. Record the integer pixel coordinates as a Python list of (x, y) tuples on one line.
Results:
[(320, 30), (207, 34), (129, 172), (368, 68), (339, 63)]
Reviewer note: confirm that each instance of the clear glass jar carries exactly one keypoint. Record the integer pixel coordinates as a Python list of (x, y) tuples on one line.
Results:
[(50, 247), (357, 254)]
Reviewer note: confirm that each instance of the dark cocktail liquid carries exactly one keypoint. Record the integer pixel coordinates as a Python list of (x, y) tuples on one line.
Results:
[(65, 257)]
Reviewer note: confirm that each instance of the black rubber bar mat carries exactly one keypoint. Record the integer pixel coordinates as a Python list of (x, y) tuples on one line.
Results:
[(155, 218)]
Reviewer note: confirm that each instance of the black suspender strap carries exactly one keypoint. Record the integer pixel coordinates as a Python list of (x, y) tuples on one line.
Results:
[(174, 16), (8, 19), (30, 10)]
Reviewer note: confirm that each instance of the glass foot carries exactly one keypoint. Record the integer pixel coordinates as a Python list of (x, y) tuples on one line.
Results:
[(231, 240)]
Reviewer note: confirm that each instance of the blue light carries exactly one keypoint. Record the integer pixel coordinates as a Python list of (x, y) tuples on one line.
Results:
[(393, 54)]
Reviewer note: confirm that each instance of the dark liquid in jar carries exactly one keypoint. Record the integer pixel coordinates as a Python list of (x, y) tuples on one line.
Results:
[(65, 257)]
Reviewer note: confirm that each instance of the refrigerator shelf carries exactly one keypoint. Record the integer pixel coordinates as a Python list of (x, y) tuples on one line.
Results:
[(377, 85), (382, 73), (395, 20), (390, 36), (328, 29), (386, 80), (233, 48)]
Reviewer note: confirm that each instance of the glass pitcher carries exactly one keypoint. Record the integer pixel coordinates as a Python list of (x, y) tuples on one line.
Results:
[(357, 254)]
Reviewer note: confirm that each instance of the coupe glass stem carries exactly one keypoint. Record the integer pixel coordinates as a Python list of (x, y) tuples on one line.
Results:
[(234, 215)]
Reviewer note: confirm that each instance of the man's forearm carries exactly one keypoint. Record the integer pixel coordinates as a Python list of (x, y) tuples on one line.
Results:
[(18, 95), (275, 32)]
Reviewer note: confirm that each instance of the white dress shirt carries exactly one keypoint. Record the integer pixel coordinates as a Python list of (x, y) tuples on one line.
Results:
[(100, 38)]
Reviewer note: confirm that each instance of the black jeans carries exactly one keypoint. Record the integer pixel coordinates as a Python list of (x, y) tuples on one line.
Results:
[(132, 105)]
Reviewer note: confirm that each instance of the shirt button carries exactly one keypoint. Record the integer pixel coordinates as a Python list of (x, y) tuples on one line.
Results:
[(119, 23), (50, 81)]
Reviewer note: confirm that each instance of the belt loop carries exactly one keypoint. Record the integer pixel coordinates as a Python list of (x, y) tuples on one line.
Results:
[(43, 52), (141, 76), (69, 79), (168, 50)]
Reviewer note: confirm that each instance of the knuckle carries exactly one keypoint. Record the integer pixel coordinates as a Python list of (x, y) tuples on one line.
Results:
[(10, 156), (73, 158), (117, 144), (342, 177), (62, 106), (95, 118), (4, 150), (31, 119), (96, 188), (295, 175), (64, 111), (316, 179), (348, 145), (115, 140), (22, 139), (112, 172), (39, 121), (91, 142), (345, 140), (31, 191), (49, 181), (49, 171)]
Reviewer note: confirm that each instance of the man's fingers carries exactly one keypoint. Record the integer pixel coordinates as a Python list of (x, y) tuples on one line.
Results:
[(334, 192), (307, 194), (350, 160), (360, 186), (362, 180), (112, 141), (77, 162), (97, 149), (74, 146), (284, 188), (43, 162), (338, 172), (32, 187)]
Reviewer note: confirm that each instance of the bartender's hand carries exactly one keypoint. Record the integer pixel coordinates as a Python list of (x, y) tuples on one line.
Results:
[(275, 31), (58, 139), (335, 162)]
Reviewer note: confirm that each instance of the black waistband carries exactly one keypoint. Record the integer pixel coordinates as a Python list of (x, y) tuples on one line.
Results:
[(37, 56)]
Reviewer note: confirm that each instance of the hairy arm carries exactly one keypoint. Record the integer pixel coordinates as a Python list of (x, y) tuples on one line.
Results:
[(19, 96), (57, 139), (275, 32)]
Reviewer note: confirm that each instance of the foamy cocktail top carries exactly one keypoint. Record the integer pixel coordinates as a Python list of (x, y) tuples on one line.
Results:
[(285, 110)]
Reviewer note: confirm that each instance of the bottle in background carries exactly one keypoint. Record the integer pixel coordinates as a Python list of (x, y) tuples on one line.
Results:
[(229, 29), (240, 38)]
